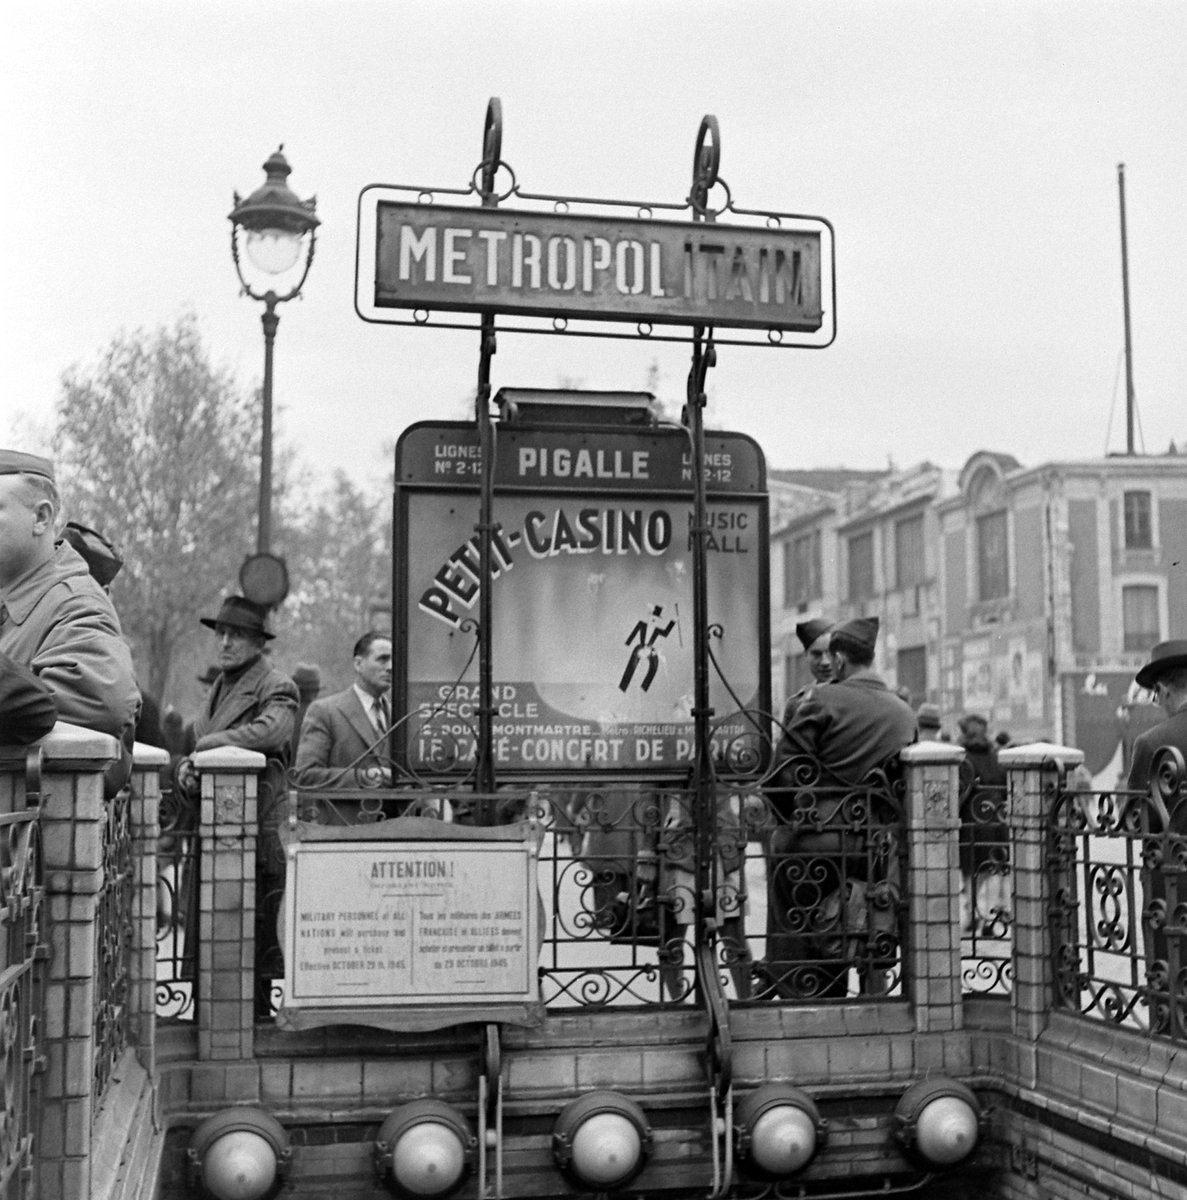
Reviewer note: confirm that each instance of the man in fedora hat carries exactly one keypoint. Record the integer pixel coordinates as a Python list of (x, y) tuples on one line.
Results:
[(839, 735), (251, 704), (56, 621), (1166, 676), (254, 706)]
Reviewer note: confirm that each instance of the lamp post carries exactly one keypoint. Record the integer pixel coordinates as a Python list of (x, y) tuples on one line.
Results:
[(277, 228)]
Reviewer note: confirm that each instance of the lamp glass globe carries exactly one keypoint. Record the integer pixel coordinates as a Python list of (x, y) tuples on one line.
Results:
[(273, 251)]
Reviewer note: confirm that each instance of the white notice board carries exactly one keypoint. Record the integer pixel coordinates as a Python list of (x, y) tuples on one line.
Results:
[(391, 926)]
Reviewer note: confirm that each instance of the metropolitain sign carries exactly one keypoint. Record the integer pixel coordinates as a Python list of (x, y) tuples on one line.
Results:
[(561, 265)]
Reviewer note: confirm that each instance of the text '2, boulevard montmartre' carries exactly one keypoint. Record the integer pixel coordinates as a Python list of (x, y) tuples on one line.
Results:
[(608, 268)]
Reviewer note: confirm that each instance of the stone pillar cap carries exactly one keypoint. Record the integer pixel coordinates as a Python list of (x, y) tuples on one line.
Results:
[(1035, 754), (229, 758)]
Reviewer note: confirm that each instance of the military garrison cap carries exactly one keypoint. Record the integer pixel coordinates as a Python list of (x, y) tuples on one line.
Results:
[(808, 631), (17, 462), (862, 630)]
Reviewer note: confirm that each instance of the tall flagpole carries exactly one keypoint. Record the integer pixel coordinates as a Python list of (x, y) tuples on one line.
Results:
[(1129, 397)]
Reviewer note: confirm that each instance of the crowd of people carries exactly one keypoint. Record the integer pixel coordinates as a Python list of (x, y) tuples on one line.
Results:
[(63, 656)]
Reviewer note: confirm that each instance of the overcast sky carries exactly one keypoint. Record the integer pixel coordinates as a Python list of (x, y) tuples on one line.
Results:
[(964, 153)]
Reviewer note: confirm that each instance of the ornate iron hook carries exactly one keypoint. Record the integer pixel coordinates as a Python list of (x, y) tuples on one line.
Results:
[(492, 147), (704, 356), (706, 159)]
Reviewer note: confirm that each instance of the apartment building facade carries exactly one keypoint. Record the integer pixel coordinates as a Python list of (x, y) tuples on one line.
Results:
[(1029, 594)]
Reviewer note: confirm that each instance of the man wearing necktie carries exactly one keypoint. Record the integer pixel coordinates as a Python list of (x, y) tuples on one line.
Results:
[(343, 740)]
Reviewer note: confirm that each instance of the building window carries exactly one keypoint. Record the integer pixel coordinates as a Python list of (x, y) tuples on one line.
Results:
[(993, 576), (908, 552), (861, 566), (1139, 617), (912, 673), (801, 570), (1138, 527)]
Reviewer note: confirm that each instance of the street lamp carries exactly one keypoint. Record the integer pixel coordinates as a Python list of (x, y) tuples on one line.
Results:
[(276, 227)]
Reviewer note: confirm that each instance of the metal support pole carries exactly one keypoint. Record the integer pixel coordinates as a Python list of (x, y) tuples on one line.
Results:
[(270, 319), (704, 782), (485, 764), (492, 138), (704, 175)]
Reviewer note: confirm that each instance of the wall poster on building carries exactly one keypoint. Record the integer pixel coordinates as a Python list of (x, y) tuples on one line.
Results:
[(1002, 677), (592, 597)]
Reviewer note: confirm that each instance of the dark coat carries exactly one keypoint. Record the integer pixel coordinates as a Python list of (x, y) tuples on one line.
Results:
[(337, 742), (254, 708), (1171, 732), (148, 724), (27, 709), (850, 726), (982, 801), (61, 625), (793, 703)]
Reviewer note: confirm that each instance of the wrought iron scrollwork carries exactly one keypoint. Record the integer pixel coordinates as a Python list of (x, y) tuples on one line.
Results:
[(22, 959), (705, 163), (113, 938), (1119, 910)]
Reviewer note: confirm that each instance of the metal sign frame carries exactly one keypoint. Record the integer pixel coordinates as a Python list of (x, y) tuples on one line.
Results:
[(576, 231), (705, 769)]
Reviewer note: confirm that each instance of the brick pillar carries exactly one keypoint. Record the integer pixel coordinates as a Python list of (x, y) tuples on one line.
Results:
[(145, 821), (227, 832), (1032, 773), (73, 816), (933, 964)]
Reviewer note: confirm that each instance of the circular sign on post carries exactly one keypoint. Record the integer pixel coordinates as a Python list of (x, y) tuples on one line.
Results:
[(264, 579)]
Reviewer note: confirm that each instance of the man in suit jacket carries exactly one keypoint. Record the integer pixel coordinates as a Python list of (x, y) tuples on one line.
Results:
[(343, 743), (1166, 676)]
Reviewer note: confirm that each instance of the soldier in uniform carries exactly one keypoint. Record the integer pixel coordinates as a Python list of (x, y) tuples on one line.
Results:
[(55, 620), (840, 735)]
